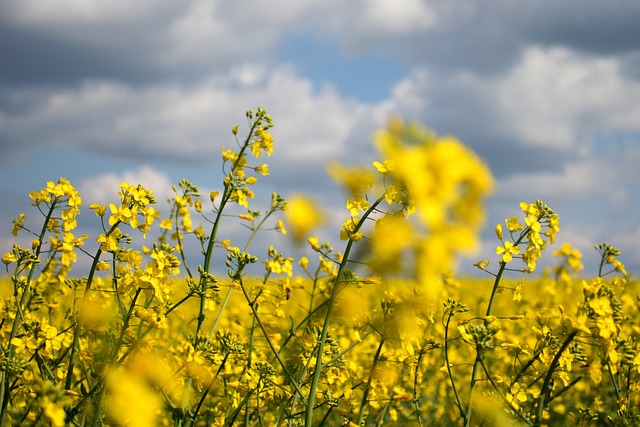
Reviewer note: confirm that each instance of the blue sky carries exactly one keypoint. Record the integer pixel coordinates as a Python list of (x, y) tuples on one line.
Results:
[(546, 92)]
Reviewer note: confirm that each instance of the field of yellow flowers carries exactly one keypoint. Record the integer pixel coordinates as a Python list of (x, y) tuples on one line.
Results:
[(375, 330)]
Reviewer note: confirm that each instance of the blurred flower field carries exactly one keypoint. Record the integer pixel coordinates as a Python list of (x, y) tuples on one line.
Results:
[(374, 329)]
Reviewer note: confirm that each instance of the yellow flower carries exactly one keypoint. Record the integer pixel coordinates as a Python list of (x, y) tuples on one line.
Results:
[(481, 264), (513, 224), (264, 142), (102, 265), (130, 401), (507, 251), (531, 209), (356, 204), (348, 228), (391, 236), (109, 243), (8, 258), (119, 213), (302, 217), (619, 267), (517, 394), (578, 324), (356, 179), (601, 306), (280, 227), (517, 292), (99, 208), (228, 154), (552, 227), (314, 243), (438, 175), (263, 169), (18, 224), (247, 217), (385, 168)]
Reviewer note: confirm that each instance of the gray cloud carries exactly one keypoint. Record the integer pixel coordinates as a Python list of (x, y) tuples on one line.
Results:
[(531, 86)]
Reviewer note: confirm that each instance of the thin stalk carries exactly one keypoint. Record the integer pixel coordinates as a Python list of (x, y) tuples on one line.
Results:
[(544, 392), (4, 388), (125, 324), (504, 399), (478, 359), (228, 296), (252, 306), (365, 394), (327, 320), (76, 332), (226, 196), (208, 389), (416, 402), (446, 359)]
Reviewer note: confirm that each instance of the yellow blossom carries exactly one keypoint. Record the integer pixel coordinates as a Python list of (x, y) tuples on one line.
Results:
[(508, 250), (388, 166), (302, 216), (314, 242), (246, 217), (513, 224)]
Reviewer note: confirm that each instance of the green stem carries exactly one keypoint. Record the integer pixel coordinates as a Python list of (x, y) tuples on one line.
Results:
[(544, 389), (503, 398), (252, 306), (478, 360), (76, 332), (208, 389), (446, 359), (228, 296), (365, 394), (181, 245), (416, 402), (125, 324), (4, 387), (472, 386), (226, 195), (327, 320)]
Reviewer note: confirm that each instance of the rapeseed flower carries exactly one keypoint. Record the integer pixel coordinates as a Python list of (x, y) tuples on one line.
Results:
[(507, 251), (302, 216)]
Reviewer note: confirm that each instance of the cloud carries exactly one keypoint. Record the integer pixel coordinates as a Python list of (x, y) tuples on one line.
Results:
[(558, 98), (180, 123), (536, 88), (575, 183), (104, 188)]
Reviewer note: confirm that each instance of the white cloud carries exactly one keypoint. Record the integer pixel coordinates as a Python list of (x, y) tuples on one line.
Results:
[(178, 122), (576, 182), (104, 188), (77, 12), (556, 97), (628, 241), (392, 17)]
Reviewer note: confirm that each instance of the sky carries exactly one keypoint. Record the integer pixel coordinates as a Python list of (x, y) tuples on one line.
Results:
[(546, 92)]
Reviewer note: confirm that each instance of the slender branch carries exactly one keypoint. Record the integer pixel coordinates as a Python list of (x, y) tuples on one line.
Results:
[(327, 320)]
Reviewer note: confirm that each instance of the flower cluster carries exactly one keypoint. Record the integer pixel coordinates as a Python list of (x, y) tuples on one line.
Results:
[(529, 235)]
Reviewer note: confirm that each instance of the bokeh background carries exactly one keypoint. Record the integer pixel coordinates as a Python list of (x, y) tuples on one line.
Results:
[(546, 92)]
